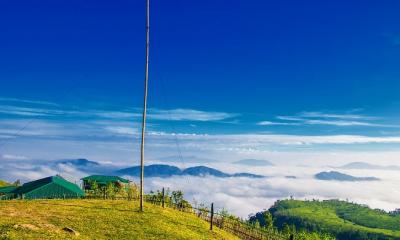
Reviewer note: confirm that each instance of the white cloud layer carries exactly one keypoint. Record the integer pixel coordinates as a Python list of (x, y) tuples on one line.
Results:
[(243, 196)]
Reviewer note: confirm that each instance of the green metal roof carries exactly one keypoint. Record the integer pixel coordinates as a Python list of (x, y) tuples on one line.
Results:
[(50, 187), (105, 179), (8, 189)]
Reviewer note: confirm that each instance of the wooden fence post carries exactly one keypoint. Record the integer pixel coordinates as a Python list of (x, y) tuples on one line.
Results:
[(163, 197), (212, 217)]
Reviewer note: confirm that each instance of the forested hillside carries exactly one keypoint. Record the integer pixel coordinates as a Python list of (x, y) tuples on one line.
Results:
[(342, 219)]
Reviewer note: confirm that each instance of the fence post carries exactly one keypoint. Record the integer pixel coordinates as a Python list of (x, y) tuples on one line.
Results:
[(212, 216), (163, 197)]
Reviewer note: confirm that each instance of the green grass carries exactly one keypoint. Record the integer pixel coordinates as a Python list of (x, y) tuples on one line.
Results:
[(340, 218), (3, 183), (99, 219)]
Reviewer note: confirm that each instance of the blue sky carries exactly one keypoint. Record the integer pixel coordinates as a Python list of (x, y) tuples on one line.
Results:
[(257, 78)]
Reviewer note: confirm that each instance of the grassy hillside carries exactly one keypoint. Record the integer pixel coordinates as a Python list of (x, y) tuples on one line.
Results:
[(99, 219), (344, 220), (3, 183)]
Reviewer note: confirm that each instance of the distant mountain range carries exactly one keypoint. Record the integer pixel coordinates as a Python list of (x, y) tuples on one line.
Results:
[(155, 170), (162, 170), (90, 167), (254, 162), (79, 162), (337, 176), (363, 165)]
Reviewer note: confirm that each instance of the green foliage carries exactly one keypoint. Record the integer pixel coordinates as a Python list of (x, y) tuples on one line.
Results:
[(111, 191), (268, 220), (172, 199), (177, 197), (342, 219), (17, 183), (286, 230), (94, 189), (131, 191)]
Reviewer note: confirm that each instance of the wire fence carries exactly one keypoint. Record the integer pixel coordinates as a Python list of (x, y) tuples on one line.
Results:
[(238, 227)]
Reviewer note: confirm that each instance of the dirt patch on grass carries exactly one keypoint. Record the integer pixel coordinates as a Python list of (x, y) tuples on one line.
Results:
[(26, 226), (50, 227)]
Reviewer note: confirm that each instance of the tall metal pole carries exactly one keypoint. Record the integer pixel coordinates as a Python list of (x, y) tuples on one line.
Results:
[(146, 82)]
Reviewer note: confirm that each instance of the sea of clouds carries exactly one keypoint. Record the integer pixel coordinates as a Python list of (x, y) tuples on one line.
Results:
[(242, 196), (33, 133)]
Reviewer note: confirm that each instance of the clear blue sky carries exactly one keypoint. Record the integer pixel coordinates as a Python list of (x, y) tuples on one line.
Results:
[(281, 67)]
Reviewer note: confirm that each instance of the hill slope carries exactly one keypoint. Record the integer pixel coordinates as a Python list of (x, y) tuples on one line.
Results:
[(342, 219), (338, 176), (3, 183), (99, 219), (363, 165)]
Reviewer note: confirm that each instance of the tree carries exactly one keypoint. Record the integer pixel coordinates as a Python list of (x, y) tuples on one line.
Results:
[(132, 191), (177, 197), (268, 220), (94, 188), (110, 191), (257, 224), (17, 183)]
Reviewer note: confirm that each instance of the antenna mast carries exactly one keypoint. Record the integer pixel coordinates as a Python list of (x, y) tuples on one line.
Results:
[(146, 82)]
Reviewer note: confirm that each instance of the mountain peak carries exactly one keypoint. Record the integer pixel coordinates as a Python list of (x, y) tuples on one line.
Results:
[(338, 176)]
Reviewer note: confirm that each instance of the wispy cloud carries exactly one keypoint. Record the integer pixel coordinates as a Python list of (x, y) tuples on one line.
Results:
[(97, 129), (18, 100), (329, 119), (289, 118), (178, 114), (345, 123), (269, 123), (39, 112), (122, 130), (14, 157), (282, 139), (189, 115), (335, 116)]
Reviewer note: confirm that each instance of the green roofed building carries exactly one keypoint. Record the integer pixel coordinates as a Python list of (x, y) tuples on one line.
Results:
[(54, 187), (103, 181), (7, 192)]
